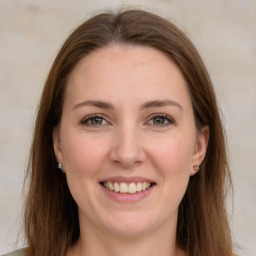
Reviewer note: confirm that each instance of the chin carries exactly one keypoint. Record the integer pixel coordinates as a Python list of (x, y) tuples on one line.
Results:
[(129, 225)]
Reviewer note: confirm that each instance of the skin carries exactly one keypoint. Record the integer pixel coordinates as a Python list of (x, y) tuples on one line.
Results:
[(127, 140)]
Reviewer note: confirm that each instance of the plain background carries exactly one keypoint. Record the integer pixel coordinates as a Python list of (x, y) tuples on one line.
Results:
[(224, 32)]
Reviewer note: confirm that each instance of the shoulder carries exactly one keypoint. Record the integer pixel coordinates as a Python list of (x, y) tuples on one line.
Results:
[(20, 252)]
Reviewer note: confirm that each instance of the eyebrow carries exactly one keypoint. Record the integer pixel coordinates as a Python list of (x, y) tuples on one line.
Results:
[(146, 105), (94, 103), (160, 103)]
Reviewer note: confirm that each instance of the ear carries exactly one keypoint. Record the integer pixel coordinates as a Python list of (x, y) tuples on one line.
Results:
[(57, 145), (200, 147)]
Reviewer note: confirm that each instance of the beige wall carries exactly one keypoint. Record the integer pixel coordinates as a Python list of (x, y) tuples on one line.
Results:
[(224, 32)]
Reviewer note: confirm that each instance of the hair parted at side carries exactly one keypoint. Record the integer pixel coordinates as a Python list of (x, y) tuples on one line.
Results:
[(51, 215)]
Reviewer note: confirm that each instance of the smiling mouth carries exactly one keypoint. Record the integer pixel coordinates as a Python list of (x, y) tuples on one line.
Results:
[(127, 188)]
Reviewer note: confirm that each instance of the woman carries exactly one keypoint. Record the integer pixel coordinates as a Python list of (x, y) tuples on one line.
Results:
[(128, 156)]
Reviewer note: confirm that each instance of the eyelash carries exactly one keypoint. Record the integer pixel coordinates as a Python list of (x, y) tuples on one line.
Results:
[(86, 120), (164, 117), (92, 117)]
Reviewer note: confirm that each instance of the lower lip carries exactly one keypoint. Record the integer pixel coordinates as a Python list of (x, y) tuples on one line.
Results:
[(126, 197)]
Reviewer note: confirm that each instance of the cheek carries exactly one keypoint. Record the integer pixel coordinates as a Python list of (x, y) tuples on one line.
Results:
[(83, 159), (81, 154), (172, 158), (173, 155)]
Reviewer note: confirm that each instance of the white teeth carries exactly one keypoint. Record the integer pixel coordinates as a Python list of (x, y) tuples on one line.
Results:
[(139, 187), (123, 188), (116, 187), (130, 188), (110, 185)]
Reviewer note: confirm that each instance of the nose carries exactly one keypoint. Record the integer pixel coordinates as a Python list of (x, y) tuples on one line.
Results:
[(127, 149)]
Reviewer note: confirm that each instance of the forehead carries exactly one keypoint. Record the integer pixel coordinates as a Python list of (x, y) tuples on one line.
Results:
[(122, 71), (132, 57)]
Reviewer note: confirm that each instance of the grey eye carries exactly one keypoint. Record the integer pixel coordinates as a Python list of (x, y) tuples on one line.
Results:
[(160, 120), (96, 120)]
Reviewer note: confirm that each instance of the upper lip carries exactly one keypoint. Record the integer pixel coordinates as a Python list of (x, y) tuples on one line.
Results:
[(120, 179)]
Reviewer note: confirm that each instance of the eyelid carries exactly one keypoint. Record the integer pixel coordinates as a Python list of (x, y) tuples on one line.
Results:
[(165, 116), (170, 120), (91, 116)]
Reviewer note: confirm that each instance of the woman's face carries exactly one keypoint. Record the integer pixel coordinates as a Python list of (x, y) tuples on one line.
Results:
[(127, 140)]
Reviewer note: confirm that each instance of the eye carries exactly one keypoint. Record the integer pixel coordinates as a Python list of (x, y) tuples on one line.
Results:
[(160, 120), (94, 120)]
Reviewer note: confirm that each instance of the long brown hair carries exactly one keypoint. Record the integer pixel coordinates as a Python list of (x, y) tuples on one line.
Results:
[(51, 215)]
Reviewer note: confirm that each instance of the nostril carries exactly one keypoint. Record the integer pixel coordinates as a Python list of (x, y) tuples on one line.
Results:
[(127, 154)]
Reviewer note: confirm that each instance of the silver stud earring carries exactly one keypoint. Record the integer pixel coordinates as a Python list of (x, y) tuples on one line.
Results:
[(196, 167), (59, 166)]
